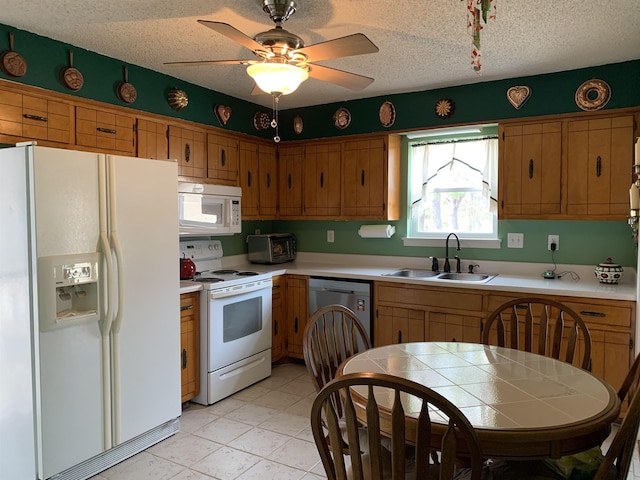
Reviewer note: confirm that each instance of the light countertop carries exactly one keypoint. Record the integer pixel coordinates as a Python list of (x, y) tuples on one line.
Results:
[(576, 280)]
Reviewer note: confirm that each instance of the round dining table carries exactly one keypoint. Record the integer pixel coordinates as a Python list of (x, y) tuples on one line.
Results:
[(522, 405)]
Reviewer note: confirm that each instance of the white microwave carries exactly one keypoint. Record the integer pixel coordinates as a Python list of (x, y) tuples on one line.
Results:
[(208, 209)]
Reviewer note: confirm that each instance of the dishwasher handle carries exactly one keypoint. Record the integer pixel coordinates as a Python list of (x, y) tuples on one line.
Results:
[(337, 290)]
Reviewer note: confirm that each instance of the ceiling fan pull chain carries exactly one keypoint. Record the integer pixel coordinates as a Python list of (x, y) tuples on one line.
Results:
[(274, 122)]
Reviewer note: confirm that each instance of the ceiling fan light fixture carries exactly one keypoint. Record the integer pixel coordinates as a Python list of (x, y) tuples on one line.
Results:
[(277, 78)]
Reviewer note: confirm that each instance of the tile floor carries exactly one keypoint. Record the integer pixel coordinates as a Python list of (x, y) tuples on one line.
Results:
[(261, 432)]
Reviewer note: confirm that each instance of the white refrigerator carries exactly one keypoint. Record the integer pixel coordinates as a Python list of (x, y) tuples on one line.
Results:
[(89, 310)]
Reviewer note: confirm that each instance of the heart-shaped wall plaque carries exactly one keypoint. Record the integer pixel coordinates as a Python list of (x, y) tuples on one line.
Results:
[(223, 113), (518, 95)]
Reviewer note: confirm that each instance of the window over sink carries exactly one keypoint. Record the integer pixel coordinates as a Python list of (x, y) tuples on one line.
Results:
[(453, 185)]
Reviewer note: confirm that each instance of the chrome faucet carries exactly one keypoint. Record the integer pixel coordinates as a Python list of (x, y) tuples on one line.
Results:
[(447, 267)]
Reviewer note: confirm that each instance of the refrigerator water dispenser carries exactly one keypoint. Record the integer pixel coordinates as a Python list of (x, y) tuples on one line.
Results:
[(69, 290)]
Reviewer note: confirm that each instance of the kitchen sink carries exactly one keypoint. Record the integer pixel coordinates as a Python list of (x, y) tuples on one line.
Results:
[(412, 273), (466, 277)]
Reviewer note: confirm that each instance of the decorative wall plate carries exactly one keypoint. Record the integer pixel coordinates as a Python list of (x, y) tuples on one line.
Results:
[(178, 99), (261, 121), (126, 91), (387, 114), (445, 108), (518, 95), (12, 62), (72, 77), (297, 124), (223, 113), (593, 94), (342, 118)]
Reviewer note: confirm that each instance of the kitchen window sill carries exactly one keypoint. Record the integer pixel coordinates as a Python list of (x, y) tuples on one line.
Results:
[(464, 242)]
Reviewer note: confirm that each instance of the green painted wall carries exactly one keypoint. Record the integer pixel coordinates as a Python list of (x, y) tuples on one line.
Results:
[(581, 242)]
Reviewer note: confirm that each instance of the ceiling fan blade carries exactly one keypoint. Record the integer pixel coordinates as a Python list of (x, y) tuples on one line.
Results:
[(356, 44), (232, 33), (348, 80), (210, 62)]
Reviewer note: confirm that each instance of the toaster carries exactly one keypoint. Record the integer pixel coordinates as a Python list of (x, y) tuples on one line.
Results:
[(271, 248)]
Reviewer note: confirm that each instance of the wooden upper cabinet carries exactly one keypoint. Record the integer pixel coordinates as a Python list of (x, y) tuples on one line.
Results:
[(34, 117), (371, 178), (530, 157), (105, 130), (187, 146), (599, 167), (290, 180), (153, 139), (249, 180), (268, 181), (322, 179), (223, 152)]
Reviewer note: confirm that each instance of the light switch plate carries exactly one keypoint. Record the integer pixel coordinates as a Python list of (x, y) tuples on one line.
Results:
[(515, 240)]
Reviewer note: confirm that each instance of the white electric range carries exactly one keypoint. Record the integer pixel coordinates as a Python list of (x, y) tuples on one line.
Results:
[(235, 323)]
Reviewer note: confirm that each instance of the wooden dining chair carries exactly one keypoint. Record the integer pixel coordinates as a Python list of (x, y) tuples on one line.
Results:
[(370, 457), (333, 334), (542, 326)]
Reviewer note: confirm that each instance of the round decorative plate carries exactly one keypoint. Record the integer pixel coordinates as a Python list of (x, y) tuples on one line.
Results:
[(445, 108), (178, 99), (387, 114), (593, 95), (342, 118), (297, 124), (261, 121)]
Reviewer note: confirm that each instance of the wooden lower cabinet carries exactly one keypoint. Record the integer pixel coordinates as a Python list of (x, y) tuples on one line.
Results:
[(413, 313), (296, 308), (189, 344), (278, 321)]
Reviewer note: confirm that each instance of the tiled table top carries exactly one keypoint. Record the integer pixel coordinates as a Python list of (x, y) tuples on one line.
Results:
[(506, 394)]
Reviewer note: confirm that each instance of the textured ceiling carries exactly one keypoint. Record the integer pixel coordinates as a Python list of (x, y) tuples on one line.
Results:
[(423, 43)]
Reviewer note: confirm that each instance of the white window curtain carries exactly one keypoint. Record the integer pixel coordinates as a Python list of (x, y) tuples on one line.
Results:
[(429, 162)]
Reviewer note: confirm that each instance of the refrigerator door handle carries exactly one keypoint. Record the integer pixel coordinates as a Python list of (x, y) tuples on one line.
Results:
[(105, 324)]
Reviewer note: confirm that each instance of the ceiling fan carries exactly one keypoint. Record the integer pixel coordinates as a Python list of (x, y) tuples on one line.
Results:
[(284, 61)]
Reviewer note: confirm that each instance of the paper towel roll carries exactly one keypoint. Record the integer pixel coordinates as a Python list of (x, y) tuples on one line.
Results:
[(377, 231)]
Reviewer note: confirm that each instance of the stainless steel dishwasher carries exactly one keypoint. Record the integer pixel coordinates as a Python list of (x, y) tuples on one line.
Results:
[(353, 294)]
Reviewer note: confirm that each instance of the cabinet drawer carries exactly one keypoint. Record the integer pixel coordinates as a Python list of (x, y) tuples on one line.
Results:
[(602, 314), (449, 298), (188, 306)]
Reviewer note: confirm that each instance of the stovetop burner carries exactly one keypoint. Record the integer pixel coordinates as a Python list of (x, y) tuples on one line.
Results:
[(225, 272), (208, 279), (247, 274)]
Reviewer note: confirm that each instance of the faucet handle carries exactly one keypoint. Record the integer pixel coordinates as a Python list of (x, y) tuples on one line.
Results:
[(472, 266), (434, 264)]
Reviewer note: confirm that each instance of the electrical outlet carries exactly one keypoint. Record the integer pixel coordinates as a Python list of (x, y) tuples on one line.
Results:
[(257, 232), (553, 239), (515, 240), (330, 238)]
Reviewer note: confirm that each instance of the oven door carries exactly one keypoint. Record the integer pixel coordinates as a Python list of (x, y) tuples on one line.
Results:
[(239, 323)]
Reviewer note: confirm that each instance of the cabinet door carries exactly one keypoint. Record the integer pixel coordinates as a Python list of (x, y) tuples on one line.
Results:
[(279, 336), (530, 162), (297, 307), (36, 118), (322, 179), (448, 327), (223, 163), (153, 139), (371, 178), (398, 325), (599, 159), (268, 172), (187, 146), (250, 180), (189, 344), (104, 130), (290, 181)]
